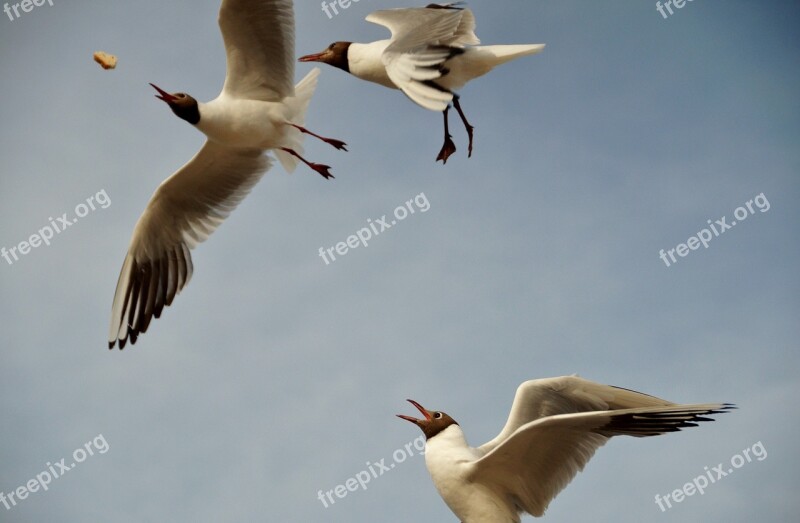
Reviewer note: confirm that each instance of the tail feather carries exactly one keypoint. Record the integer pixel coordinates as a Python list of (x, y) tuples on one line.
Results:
[(303, 92), (479, 60), (506, 53), (298, 105)]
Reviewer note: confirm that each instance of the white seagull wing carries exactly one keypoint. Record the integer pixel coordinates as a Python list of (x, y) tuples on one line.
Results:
[(540, 458), (185, 209), (537, 399), (465, 32), (423, 39), (415, 26), (259, 43)]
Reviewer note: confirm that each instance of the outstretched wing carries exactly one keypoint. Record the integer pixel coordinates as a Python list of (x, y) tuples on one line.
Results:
[(540, 458), (185, 209), (259, 44), (537, 399)]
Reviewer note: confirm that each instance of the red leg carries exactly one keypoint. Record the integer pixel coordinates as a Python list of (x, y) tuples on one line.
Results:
[(332, 141), (321, 169)]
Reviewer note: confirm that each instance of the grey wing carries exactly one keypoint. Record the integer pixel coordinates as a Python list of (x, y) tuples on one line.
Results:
[(465, 32), (416, 26), (536, 399), (184, 210), (423, 39), (540, 458), (259, 44)]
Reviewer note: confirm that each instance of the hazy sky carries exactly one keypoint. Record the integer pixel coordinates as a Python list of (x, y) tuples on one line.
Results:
[(274, 376)]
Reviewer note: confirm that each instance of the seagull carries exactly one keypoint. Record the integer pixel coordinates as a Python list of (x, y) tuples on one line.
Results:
[(259, 109), (433, 52), (554, 428)]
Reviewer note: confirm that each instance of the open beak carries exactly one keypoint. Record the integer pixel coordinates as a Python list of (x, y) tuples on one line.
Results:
[(163, 95), (415, 421), (318, 57)]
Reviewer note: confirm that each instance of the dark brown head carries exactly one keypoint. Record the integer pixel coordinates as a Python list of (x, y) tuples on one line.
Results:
[(335, 55), (434, 422), (183, 105)]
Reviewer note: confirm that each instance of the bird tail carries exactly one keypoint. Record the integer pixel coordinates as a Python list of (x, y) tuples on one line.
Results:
[(303, 92), (506, 53), (482, 59), (297, 107)]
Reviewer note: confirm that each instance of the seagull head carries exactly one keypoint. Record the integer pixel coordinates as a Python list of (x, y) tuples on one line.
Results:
[(335, 55), (183, 105), (434, 422)]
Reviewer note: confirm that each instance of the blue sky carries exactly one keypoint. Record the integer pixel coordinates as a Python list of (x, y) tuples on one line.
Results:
[(274, 375)]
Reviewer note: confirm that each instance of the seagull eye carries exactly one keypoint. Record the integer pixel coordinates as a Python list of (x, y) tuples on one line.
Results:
[(437, 415), (180, 95)]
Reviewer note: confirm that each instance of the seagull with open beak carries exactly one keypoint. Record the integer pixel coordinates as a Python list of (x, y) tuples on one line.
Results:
[(259, 110), (554, 428)]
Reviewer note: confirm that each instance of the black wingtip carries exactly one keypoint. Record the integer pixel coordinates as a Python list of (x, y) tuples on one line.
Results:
[(452, 5)]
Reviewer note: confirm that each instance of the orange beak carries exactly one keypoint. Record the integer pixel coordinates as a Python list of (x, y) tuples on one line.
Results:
[(415, 421), (317, 57), (163, 95)]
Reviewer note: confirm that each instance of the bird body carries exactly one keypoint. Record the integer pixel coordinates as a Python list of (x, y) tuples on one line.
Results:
[(259, 109), (449, 459), (432, 53), (366, 63), (554, 428), (243, 123)]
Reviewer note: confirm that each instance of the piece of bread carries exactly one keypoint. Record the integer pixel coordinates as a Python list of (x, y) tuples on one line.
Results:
[(106, 61)]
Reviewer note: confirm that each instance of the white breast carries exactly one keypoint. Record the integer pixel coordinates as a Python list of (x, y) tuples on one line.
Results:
[(448, 458), (245, 123), (365, 62)]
